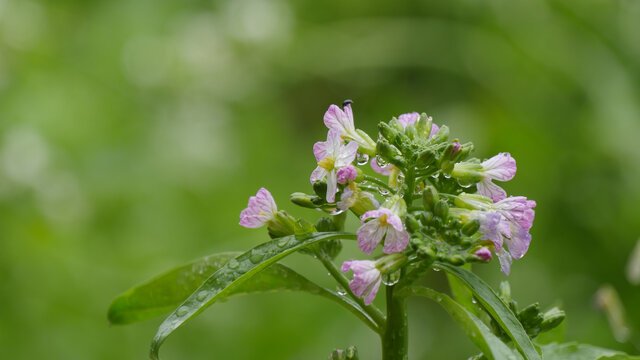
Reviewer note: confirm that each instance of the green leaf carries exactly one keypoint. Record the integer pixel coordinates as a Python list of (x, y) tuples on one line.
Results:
[(492, 347), (574, 351), (461, 293), (232, 275), (165, 292), (496, 308)]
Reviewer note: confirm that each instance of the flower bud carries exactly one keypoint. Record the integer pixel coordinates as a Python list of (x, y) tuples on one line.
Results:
[(305, 200), (441, 209), (426, 253), (386, 150), (426, 158), (320, 188), (367, 145), (430, 197), (471, 227), (455, 260), (412, 223), (441, 136), (551, 319), (325, 224), (472, 201), (388, 132), (391, 263), (530, 316), (396, 125), (411, 132)]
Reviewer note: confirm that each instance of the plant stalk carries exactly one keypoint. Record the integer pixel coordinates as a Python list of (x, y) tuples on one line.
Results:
[(395, 339)]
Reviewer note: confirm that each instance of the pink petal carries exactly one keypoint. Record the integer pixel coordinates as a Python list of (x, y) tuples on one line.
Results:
[(434, 130), (347, 154), (318, 174), (501, 167), (370, 235), (320, 150), (491, 190), (408, 119), (505, 261), (483, 254), (395, 241), (332, 186), (336, 119), (372, 292), (346, 174)]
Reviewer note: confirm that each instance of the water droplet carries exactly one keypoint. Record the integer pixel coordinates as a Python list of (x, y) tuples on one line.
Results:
[(447, 176), (473, 300), (202, 295), (182, 311), (256, 256), (233, 263), (383, 191), (465, 184), (435, 176), (391, 279), (436, 270), (337, 212), (381, 162), (341, 291), (283, 242), (362, 159)]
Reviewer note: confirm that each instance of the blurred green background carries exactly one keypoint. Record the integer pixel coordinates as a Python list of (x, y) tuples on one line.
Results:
[(133, 132)]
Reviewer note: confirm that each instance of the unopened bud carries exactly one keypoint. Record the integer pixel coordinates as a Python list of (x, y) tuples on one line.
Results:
[(412, 223), (426, 158), (305, 200), (325, 224), (551, 319), (386, 150), (388, 132), (282, 224), (396, 125), (530, 316), (468, 172), (430, 197), (426, 253), (471, 227), (441, 136), (441, 209), (455, 260), (411, 132), (320, 188)]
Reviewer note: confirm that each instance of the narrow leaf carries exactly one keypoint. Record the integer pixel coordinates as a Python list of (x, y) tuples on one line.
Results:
[(165, 292), (461, 293), (574, 351), (497, 309), (492, 347), (233, 274)]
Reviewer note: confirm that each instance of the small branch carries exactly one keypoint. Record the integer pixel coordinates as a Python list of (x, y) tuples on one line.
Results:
[(379, 182)]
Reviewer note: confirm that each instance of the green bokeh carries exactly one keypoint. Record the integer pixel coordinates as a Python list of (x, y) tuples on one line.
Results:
[(133, 132)]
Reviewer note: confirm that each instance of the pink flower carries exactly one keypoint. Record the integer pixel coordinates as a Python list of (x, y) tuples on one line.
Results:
[(517, 210), (408, 119), (501, 167), (342, 121), (332, 155), (489, 226), (354, 197), (346, 174), (366, 278), (505, 261), (384, 224), (260, 210), (484, 254)]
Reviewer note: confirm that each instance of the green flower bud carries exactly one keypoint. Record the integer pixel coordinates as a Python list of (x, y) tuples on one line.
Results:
[(326, 224), (426, 253), (386, 150), (471, 227), (441, 209), (388, 132), (369, 146), (426, 158), (351, 353), (412, 223), (305, 200), (530, 316), (429, 197), (411, 132), (320, 188), (396, 125), (455, 260), (467, 172), (441, 136), (504, 291), (551, 319)]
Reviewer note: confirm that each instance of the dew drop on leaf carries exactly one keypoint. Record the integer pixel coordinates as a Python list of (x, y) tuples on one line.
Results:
[(233, 264), (362, 159), (182, 311)]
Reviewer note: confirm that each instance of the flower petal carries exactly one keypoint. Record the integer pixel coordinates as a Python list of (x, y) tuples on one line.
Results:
[(408, 119), (505, 261), (372, 292), (370, 235), (332, 186), (501, 167), (491, 190), (318, 174), (346, 154), (336, 119), (395, 241), (320, 150), (519, 242), (260, 209)]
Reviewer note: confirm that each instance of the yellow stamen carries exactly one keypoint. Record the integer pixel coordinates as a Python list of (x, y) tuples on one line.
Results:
[(327, 163), (383, 220)]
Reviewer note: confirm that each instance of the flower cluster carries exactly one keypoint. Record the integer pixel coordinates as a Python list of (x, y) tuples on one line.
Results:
[(419, 196)]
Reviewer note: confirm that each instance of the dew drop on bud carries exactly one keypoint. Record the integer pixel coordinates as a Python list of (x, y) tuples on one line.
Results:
[(362, 159), (465, 184), (391, 279), (380, 161), (341, 291), (383, 191)]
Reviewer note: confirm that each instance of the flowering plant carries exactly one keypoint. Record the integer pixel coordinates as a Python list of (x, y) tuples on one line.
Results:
[(423, 203)]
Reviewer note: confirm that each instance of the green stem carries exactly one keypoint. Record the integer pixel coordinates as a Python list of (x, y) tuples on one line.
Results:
[(371, 310), (395, 339), (379, 182)]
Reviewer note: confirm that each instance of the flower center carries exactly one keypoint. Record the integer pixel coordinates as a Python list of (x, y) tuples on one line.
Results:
[(327, 163), (383, 220)]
